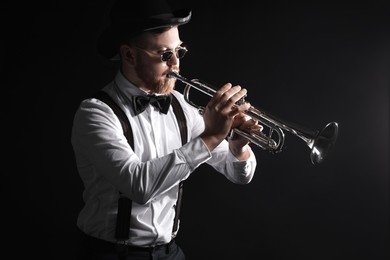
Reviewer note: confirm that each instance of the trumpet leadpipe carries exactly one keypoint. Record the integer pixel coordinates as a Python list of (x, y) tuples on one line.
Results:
[(195, 83)]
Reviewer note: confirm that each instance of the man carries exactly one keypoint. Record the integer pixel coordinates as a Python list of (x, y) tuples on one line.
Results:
[(143, 176)]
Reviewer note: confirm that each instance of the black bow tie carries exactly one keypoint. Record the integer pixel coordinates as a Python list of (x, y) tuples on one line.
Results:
[(161, 102)]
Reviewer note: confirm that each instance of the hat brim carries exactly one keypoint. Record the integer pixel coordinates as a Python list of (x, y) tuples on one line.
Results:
[(110, 39)]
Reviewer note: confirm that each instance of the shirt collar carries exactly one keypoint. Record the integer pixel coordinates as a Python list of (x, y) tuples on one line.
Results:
[(126, 87)]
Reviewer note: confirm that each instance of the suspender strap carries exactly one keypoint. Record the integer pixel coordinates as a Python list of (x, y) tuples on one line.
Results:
[(103, 96), (181, 119), (124, 204)]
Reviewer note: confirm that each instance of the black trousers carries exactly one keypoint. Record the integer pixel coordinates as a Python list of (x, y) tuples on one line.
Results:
[(96, 249)]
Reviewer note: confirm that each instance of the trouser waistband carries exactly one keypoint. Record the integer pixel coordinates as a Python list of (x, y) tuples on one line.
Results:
[(106, 246)]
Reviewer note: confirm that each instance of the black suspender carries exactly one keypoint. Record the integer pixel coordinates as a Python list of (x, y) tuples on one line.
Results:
[(103, 96), (178, 110), (124, 204)]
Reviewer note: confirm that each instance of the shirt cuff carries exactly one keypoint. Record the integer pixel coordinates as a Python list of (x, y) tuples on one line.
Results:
[(233, 158), (195, 153)]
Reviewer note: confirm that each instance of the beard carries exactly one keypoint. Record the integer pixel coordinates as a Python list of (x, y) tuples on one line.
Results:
[(154, 83)]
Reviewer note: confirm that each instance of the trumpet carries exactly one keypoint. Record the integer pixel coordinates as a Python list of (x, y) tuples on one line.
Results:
[(271, 139)]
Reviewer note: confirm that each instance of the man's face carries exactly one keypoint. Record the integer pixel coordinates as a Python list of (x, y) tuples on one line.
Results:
[(151, 51)]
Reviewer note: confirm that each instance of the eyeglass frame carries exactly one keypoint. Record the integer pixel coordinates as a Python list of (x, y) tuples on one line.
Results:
[(177, 49)]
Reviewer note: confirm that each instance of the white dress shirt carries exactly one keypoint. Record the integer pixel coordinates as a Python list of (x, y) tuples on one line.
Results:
[(149, 175)]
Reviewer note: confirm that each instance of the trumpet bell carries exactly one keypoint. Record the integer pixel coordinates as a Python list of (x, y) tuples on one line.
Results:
[(324, 142)]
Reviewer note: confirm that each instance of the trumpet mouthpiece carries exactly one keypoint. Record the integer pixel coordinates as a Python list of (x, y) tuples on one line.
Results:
[(173, 74)]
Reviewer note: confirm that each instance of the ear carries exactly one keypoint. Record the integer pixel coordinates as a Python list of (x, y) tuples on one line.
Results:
[(127, 53)]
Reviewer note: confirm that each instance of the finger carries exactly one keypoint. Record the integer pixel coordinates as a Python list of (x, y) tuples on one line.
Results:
[(243, 107), (253, 125), (224, 90), (258, 128), (226, 103), (235, 109), (239, 120), (245, 122), (235, 97), (230, 97), (219, 93)]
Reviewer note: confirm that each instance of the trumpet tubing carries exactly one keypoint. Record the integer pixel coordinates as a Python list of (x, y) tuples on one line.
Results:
[(320, 142)]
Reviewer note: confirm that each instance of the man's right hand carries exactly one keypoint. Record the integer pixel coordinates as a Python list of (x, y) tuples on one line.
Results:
[(219, 114)]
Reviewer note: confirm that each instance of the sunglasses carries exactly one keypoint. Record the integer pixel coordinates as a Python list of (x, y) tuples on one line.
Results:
[(167, 55)]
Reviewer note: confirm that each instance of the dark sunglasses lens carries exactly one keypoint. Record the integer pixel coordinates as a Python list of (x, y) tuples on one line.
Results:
[(181, 52), (166, 55)]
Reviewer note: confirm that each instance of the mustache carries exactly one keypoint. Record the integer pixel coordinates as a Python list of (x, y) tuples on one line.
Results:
[(174, 69)]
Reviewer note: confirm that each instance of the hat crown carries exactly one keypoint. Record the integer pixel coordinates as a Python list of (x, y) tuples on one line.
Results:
[(131, 17), (125, 11)]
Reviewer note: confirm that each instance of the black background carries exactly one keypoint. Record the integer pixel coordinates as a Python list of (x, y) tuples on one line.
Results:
[(308, 63)]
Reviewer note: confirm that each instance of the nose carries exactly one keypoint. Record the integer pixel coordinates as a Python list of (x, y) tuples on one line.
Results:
[(174, 60)]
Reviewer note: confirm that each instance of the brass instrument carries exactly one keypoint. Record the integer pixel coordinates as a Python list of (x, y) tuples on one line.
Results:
[(319, 142)]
